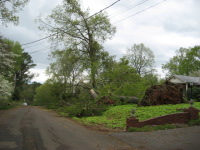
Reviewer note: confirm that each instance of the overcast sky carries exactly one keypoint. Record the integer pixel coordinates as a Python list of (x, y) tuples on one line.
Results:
[(163, 28)]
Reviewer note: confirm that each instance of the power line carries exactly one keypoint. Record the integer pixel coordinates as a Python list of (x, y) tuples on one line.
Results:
[(130, 7), (39, 39), (43, 49), (104, 9), (140, 12), (35, 45), (86, 18)]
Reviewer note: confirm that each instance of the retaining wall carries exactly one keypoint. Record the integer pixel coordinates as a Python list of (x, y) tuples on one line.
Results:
[(183, 117)]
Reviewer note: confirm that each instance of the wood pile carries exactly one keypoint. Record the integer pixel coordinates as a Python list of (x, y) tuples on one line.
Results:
[(167, 93)]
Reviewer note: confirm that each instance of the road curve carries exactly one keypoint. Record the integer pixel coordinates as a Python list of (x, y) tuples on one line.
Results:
[(35, 128)]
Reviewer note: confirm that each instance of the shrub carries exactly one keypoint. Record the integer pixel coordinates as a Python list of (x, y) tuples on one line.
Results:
[(4, 104), (7, 104), (194, 93)]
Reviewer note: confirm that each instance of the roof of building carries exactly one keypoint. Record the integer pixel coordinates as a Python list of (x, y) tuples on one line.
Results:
[(188, 79)]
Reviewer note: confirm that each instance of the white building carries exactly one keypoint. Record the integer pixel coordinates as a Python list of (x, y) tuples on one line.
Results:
[(185, 80)]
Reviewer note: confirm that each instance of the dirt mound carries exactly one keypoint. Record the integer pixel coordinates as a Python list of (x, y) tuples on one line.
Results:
[(167, 93)]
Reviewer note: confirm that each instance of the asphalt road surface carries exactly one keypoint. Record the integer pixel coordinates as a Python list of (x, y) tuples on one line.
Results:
[(35, 128)]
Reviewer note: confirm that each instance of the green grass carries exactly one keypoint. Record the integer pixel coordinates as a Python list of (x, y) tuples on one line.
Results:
[(194, 122), (115, 116), (152, 128)]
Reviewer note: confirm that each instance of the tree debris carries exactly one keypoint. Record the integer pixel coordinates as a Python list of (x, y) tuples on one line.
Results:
[(167, 93)]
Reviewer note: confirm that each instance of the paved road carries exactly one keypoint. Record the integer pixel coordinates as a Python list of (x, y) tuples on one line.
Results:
[(34, 128), (174, 139)]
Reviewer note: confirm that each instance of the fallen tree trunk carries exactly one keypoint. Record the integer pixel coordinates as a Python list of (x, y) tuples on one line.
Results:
[(128, 99), (93, 94)]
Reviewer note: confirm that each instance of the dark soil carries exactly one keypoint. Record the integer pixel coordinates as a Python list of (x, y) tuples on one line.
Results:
[(167, 93)]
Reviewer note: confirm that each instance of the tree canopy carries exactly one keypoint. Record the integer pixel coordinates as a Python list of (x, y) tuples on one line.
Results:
[(8, 10), (141, 58), (14, 67), (72, 26), (186, 62)]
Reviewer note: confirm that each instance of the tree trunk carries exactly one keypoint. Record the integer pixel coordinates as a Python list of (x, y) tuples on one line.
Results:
[(93, 94)]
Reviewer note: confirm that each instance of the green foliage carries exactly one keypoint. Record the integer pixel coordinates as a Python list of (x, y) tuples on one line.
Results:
[(4, 104), (194, 93), (14, 67), (185, 62), (21, 74), (122, 79), (7, 104), (47, 95), (6, 89), (115, 116), (29, 91), (66, 70), (78, 110), (141, 58), (152, 128), (8, 10), (83, 105), (194, 122), (7, 57), (83, 34)]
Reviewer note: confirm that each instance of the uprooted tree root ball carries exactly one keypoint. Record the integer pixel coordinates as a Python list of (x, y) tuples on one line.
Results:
[(167, 93)]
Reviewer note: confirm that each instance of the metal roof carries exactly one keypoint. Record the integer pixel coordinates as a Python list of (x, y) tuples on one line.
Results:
[(188, 79)]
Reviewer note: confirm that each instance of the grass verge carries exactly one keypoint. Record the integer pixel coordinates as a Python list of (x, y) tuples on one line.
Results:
[(152, 128)]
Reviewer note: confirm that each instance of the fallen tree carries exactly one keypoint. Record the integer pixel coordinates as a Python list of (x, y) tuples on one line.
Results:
[(167, 93)]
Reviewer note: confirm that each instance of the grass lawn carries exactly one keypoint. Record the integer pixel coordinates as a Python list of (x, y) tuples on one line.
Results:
[(115, 116)]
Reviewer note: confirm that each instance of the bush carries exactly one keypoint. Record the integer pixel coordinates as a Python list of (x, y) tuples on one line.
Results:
[(80, 110), (82, 105), (194, 93), (7, 104), (4, 104)]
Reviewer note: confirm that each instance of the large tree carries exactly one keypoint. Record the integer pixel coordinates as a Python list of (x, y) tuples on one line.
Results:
[(8, 10), (22, 75), (7, 60), (71, 24), (186, 62), (14, 65), (141, 58), (7, 57), (66, 70)]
